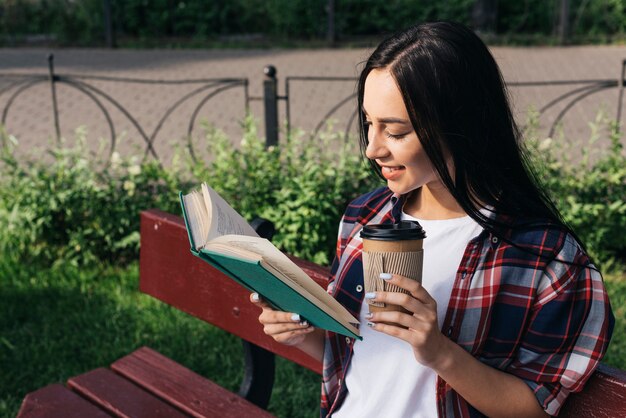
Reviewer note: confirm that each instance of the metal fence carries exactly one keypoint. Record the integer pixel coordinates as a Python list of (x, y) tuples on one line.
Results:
[(204, 90), (16, 84), (578, 91)]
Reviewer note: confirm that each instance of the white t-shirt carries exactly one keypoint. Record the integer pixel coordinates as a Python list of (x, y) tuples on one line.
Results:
[(384, 379)]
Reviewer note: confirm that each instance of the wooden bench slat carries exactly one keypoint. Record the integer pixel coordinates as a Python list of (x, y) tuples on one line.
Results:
[(170, 273), (183, 388), (604, 396), (120, 397), (56, 401)]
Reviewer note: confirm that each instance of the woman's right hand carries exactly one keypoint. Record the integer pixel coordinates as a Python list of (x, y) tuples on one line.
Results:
[(286, 328)]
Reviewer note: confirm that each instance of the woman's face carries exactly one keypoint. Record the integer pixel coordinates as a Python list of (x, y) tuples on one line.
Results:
[(393, 143)]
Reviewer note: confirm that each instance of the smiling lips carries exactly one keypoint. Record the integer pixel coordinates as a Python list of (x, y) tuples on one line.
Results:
[(392, 173)]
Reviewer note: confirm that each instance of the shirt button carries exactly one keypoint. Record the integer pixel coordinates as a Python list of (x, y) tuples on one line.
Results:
[(463, 275), (494, 240), (359, 288), (450, 331), (348, 340)]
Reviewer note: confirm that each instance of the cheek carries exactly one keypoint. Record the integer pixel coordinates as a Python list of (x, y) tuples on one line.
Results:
[(420, 163), (414, 156)]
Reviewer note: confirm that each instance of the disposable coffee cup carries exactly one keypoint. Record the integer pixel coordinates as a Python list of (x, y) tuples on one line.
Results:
[(391, 248)]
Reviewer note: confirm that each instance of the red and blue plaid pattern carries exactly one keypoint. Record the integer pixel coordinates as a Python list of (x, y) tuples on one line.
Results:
[(537, 309)]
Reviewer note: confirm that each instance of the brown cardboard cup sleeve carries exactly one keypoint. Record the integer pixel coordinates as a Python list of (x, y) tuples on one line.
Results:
[(407, 264)]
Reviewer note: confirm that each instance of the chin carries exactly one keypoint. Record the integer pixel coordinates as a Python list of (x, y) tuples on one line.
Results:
[(400, 189)]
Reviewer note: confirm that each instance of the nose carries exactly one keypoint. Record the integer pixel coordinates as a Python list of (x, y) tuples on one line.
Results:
[(375, 145)]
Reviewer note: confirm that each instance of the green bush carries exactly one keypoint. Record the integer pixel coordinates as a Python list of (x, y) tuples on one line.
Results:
[(68, 211), (589, 189), (61, 209)]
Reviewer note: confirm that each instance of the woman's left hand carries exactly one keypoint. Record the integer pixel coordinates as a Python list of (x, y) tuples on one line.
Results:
[(419, 327)]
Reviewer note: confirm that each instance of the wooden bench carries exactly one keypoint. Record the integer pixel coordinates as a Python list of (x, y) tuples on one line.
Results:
[(148, 384)]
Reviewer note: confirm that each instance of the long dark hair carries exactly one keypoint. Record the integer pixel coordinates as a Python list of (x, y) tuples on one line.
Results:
[(458, 105)]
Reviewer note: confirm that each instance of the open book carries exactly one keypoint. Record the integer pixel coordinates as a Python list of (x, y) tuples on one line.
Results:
[(222, 237)]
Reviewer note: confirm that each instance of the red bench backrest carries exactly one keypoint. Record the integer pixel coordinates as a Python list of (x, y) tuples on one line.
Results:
[(170, 273)]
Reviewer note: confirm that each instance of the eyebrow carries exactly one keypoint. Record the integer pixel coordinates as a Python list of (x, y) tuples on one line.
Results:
[(393, 120), (390, 120)]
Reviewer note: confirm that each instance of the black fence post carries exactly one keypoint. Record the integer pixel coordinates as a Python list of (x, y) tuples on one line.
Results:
[(270, 102), (55, 109), (620, 98)]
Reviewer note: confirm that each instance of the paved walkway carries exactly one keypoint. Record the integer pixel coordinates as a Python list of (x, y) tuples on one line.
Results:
[(30, 116)]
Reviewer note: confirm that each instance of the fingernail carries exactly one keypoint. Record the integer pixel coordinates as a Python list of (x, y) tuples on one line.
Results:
[(370, 295), (385, 276), (295, 317), (369, 315), (371, 324), (304, 323), (255, 297)]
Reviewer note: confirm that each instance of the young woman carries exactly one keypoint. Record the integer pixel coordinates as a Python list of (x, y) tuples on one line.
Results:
[(511, 316)]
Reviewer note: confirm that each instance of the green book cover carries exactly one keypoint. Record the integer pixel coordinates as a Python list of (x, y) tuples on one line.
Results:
[(254, 277)]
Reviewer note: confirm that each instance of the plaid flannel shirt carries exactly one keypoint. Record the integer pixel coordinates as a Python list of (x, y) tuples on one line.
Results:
[(523, 312)]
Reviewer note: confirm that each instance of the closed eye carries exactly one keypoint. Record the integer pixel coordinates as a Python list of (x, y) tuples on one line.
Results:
[(397, 136)]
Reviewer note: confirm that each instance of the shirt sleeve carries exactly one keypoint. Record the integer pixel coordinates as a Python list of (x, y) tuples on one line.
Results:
[(569, 329)]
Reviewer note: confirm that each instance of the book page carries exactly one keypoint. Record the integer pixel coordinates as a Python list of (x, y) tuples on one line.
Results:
[(223, 219), (232, 251), (277, 262), (196, 215)]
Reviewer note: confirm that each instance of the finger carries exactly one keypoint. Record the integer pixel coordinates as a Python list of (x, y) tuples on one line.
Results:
[(392, 330), (294, 337), (414, 287), (258, 300), (408, 302), (279, 329), (262, 303), (404, 320), (392, 317), (270, 316)]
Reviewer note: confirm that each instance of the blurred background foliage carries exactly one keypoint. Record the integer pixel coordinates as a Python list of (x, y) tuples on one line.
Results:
[(204, 23), (64, 209)]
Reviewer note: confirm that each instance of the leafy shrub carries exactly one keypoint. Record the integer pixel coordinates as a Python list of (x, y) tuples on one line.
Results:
[(69, 211), (590, 189)]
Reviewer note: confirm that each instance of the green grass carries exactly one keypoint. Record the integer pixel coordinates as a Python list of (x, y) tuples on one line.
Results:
[(58, 323)]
